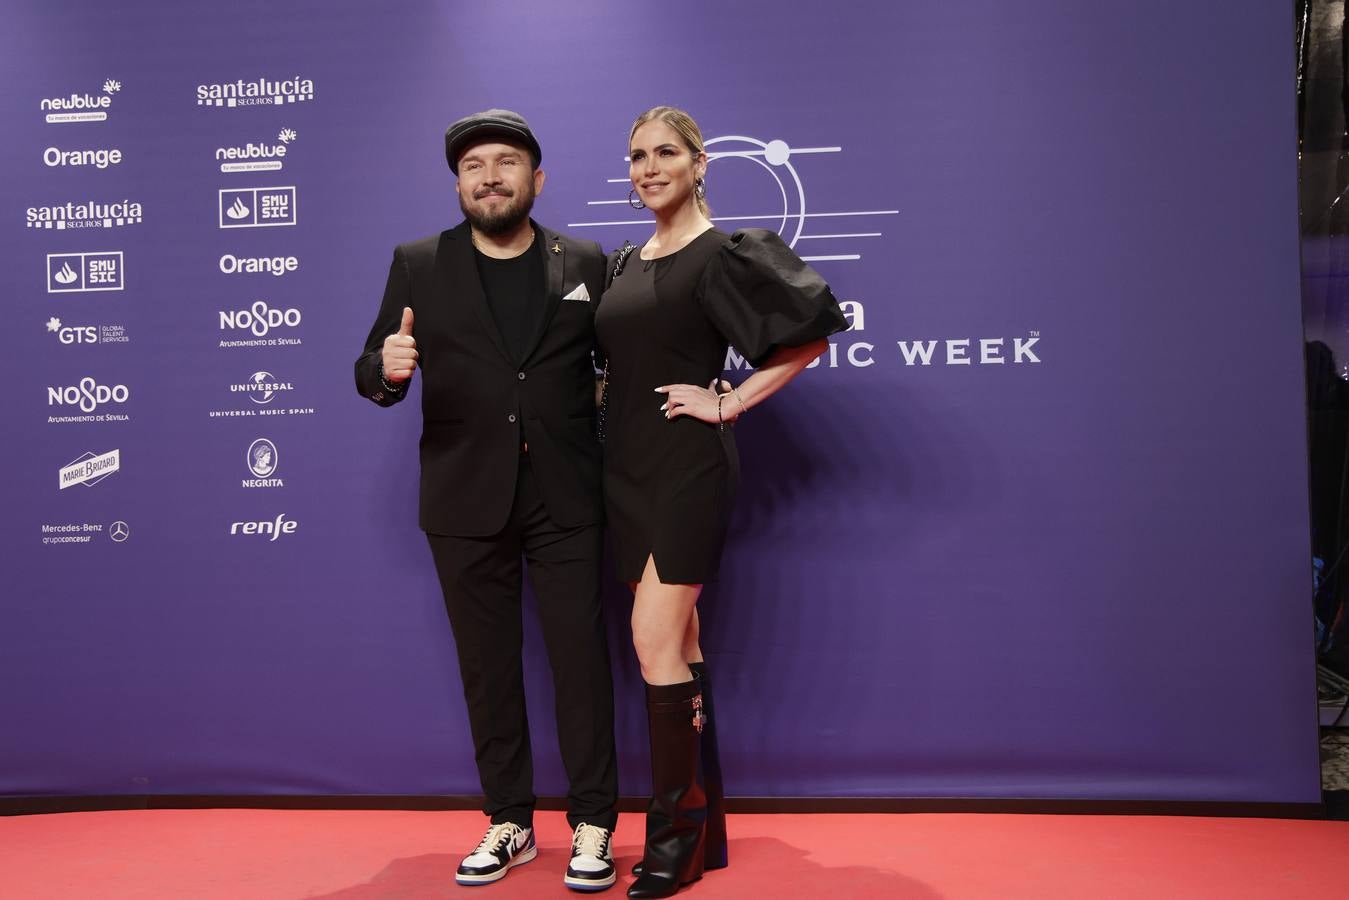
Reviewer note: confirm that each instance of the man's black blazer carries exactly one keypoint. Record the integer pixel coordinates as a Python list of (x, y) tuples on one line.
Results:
[(479, 406)]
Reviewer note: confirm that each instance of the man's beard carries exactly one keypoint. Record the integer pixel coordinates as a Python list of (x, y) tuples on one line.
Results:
[(504, 218)]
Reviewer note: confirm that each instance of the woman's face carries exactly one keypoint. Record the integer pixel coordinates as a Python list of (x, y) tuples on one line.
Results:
[(662, 168)]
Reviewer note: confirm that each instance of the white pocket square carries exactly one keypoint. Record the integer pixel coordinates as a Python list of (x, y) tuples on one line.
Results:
[(578, 293)]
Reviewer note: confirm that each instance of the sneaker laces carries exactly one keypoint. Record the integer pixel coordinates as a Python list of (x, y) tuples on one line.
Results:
[(590, 840), (496, 836)]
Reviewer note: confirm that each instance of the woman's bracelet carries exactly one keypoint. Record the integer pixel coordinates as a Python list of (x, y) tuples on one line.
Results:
[(738, 399), (721, 423)]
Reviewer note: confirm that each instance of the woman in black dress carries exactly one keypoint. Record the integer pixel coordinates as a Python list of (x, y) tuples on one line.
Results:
[(671, 468)]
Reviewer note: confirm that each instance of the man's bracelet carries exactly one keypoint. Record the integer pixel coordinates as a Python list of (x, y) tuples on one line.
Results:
[(391, 388), (738, 399)]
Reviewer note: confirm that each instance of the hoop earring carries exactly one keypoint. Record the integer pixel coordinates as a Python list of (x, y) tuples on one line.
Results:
[(633, 201), (700, 189)]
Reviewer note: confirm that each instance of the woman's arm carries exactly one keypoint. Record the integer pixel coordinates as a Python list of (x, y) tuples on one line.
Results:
[(782, 365)]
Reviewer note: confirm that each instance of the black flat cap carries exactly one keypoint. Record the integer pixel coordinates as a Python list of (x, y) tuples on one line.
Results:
[(498, 123)]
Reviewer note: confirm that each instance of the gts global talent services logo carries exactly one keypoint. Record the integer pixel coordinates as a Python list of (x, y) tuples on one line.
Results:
[(258, 92), (81, 107), (257, 157), (89, 214), (67, 333)]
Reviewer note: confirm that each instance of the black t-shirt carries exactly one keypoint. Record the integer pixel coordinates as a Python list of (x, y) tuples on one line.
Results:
[(515, 292)]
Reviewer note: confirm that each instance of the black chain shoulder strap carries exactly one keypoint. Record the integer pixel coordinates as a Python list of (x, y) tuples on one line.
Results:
[(624, 252)]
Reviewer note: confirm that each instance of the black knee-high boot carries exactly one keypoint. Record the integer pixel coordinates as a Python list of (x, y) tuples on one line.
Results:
[(714, 848), (676, 821)]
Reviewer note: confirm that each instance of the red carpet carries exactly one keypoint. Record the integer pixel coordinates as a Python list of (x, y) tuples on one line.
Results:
[(245, 854)]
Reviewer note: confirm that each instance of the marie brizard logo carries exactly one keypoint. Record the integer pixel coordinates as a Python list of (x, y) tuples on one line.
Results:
[(89, 469), (81, 107)]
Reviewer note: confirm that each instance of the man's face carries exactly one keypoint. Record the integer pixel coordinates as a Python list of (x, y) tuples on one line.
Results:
[(497, 186)]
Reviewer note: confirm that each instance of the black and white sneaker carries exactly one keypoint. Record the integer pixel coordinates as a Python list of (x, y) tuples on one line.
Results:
[(503, 847), (592, 864)]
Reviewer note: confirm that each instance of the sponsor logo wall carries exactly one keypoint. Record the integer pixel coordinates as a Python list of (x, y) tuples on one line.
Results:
[(1016, 467)]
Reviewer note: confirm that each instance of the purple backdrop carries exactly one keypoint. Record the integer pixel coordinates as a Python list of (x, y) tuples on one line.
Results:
[(1036, 529)]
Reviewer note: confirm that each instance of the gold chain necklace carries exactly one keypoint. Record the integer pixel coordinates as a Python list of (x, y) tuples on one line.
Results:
[(474, 238)]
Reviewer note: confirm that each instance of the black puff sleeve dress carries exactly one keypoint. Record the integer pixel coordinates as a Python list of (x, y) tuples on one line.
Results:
[(669, 484)]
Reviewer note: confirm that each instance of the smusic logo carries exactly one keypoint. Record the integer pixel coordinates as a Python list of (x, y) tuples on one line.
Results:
[(259, 157), (69, 273), (257, 207), (90, 214), (89, 469), (258, 92), (81, 107), (262, 460)]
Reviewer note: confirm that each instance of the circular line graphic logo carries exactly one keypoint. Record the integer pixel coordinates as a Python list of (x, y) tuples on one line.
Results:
[(119, 531), (262, 458)]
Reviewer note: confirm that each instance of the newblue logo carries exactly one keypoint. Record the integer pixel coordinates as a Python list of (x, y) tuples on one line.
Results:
[(258, 92), (69, 273), (256, 157), (81, 107), (257, 207), (91, 214)]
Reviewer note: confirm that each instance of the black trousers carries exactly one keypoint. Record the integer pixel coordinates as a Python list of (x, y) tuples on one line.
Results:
[(481, 579)]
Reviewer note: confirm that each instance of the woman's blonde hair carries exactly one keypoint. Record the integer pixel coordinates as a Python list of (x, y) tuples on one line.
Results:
[(688, 132)]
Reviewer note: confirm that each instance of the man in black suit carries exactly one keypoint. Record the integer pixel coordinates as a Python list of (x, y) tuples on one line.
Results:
[(502, 313)]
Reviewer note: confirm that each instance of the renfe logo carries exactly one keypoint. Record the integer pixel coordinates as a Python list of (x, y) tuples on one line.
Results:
[(281, 525)]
